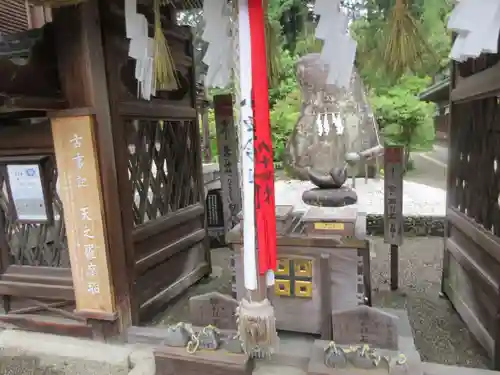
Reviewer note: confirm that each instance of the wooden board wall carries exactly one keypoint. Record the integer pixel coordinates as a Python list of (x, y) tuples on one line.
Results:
[(471, 264)]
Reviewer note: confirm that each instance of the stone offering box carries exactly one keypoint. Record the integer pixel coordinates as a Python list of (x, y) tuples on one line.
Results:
[(323, 265), (283, 219)]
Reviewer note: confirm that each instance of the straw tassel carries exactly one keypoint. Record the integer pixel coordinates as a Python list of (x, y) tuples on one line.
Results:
[(165, 75), (257, 328)]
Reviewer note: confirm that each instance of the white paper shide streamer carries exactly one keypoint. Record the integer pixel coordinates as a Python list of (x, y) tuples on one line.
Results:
[(477, 24), (216, 14), (339, 49), (141, 48)]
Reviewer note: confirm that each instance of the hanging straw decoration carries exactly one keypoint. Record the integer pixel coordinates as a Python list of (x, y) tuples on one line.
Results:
[(405, 43), (272, 49), (165, 74)]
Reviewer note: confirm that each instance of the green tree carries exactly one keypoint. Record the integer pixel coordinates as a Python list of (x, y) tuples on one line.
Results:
[(403, 119)]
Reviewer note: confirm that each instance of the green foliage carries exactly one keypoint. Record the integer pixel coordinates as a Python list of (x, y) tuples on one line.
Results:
[(284, 116), (403, 119), (410, 38), (398, 49)]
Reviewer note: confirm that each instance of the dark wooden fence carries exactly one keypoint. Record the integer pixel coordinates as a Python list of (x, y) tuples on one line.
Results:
[(471, 266)]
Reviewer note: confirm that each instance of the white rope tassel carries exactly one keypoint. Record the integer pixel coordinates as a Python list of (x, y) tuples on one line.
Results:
[(246, 148), (257, 328)]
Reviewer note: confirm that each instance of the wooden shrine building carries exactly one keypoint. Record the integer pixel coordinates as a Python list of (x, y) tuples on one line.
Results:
[(471, 264), (439, 93), (89, 173)]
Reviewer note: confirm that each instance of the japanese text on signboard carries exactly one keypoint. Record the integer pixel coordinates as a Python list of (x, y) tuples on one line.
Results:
[(86, 239), (393, 195)]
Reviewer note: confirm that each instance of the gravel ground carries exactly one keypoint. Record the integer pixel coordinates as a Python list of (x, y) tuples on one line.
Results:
[(440, 335), (418, 199)]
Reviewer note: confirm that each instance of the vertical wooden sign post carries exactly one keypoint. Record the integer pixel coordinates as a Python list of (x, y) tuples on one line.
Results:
[(228, 160), (393, 206), (78, 168)]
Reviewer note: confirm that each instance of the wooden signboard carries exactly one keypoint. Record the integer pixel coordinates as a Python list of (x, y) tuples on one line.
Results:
[(228, 160), (75, 148), (393, 195)]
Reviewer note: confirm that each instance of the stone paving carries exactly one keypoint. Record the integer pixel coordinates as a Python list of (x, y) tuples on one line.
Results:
[(418, 199)]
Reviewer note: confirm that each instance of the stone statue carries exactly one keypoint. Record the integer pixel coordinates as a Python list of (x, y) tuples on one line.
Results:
[(333, 122), (335, 128)]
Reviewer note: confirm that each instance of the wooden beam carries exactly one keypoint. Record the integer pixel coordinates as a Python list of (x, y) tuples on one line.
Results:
[(30, 103), (155, 109), (17, 138), (477, 86), (38, 78), (475, 232)]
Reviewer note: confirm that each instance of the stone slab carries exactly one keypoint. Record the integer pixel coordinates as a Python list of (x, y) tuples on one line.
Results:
[(213, 309), (364, 324), (60, 355)]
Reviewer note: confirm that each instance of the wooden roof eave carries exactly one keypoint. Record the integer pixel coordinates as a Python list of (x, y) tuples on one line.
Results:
[(437, 93)]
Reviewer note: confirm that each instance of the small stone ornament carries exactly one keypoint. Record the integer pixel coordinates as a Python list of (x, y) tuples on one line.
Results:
[(209, 338), (363, 358), (335, 356), (177, 335)]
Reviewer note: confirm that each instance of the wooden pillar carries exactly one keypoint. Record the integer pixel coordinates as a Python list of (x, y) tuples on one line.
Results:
[(84, 83), (228, 160), (207, 144)]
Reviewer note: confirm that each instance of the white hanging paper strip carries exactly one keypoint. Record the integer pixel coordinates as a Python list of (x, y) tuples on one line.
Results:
[(217, 35), (246, 148), (347, 65), (339, 49), (130, 13), (474, 37), (141, 48), (331, 23), (212, 14), (325, 7)]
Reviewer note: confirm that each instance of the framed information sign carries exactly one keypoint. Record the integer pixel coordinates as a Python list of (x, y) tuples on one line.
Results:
[(28, 189)]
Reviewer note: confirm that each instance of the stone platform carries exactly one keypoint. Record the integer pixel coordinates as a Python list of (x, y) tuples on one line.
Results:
[(424, 207)]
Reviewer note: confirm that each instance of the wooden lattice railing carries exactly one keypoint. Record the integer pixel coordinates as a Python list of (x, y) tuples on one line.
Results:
[(34, 244), (162, 166)]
